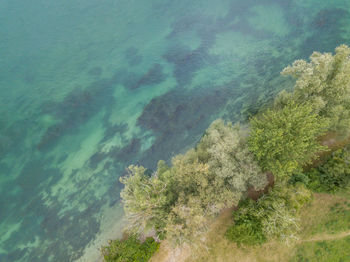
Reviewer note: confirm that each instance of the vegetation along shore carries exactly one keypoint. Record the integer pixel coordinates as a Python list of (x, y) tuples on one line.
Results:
[(278, 182)]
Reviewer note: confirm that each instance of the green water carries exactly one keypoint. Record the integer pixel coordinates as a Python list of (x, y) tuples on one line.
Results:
[(89, 87)]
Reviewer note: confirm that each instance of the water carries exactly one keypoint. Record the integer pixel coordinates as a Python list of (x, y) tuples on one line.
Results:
[(89, 87)]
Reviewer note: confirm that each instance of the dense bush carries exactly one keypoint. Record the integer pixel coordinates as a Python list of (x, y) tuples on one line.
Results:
[(301, 178), (247, 228), (273, 216), (129, 250), (330, 176)]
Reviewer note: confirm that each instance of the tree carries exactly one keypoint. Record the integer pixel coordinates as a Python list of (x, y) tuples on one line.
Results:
[(324, 82), (145, 200), (284, 139), (179, 201), (224, 147), (187, 221)]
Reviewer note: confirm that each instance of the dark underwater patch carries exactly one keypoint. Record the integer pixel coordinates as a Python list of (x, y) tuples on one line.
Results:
[(185, 24), (132, 81), (5, 144), (129, 150), (327, 27), (242, 7), (114, 191), (126, 154), (178, 119), (62, 158), (14, 135), (127, 79), (241, 11), (76, 109), (176, 110), (95, 159), (186, 61), (112, 130), (15, 255), (153, 76), (33, 176), (76, 228), (133, 56), (30, 78), (116, 153), (95, 71)]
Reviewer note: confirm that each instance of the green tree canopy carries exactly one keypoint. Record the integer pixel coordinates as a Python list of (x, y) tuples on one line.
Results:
[(180, 200), (284, 139), (145, 199), (324, 82)]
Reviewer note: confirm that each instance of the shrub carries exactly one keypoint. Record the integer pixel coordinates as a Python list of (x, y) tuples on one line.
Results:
[(332, 175), (273, 216), (247, 227), (129, 250), (299, 178)]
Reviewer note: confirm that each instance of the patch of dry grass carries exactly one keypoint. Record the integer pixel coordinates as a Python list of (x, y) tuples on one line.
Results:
[(218, 249)]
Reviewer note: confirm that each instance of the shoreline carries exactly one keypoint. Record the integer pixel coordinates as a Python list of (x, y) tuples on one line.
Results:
[(109, 230)]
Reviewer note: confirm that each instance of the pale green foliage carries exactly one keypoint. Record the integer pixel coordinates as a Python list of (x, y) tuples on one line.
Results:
[(278, 211), (211, 177), (187, 221), (194, 182), (232, 165), (325, 83), (195, 195), (145, 200), (285, 139), (173, 201), (181, 199)]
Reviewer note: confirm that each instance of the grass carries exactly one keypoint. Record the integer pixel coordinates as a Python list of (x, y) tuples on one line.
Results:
[(324, 236), (338, 218), (328, 213), (323, 251), (324, 233)]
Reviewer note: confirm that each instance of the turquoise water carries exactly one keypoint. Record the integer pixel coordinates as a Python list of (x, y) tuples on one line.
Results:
[(89, 87)]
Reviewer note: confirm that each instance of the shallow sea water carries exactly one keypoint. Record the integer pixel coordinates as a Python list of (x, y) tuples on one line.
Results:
[(89, 87)]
